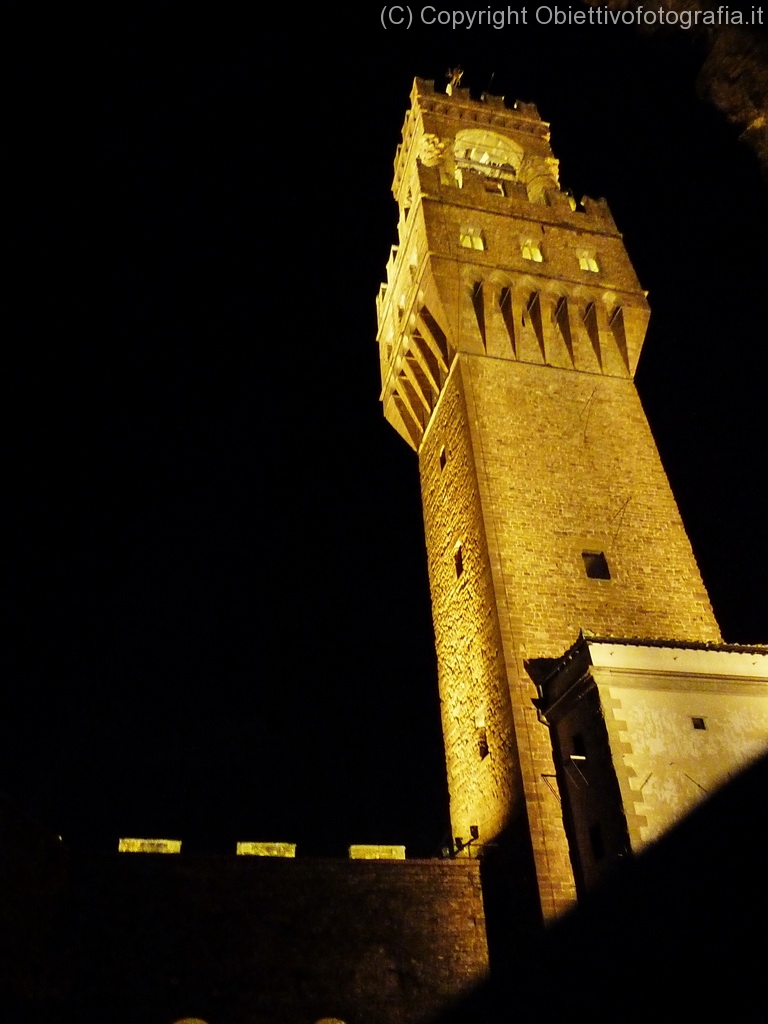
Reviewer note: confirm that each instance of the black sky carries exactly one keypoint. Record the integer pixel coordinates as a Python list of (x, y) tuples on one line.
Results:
[(217, 602)]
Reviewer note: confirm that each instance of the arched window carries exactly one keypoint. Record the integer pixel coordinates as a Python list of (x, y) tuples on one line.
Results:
[(488, 153)]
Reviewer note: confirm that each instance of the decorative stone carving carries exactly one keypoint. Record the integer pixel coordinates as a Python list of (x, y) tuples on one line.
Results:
[(432, 149)]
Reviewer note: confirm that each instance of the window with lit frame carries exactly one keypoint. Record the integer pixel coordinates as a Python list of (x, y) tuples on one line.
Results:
[(588, 262), (530, 250), (471, 238)]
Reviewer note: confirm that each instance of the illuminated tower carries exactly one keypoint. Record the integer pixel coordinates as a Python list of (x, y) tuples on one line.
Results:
[(510, 327)]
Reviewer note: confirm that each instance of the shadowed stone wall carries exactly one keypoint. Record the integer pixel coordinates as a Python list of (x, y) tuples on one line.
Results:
[(151, 939)]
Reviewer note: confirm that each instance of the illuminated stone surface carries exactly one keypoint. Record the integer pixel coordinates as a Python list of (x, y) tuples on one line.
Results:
[(372, 852), (149, 846), (509, 370), (266, 849)]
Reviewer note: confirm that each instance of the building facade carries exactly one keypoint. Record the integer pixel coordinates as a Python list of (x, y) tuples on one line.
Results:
[(643, 732), (510, 327)]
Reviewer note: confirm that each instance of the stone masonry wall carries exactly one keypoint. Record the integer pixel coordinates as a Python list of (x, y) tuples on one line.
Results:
[(474, 694), (540, 465), (481, 681), (150, 939), (566, 463)]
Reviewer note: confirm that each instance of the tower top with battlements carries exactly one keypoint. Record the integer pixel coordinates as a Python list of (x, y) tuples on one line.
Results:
[(479, 195)]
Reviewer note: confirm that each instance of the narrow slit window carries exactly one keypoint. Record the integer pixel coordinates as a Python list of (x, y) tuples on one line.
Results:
[(458, 561), (443, 458), (482, 742), (596, 565)]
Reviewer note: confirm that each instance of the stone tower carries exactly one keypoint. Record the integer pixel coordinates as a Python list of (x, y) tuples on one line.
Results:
[(510, 328)]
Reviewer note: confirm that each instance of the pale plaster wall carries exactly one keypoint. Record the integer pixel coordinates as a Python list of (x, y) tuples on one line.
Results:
[(664, 765)]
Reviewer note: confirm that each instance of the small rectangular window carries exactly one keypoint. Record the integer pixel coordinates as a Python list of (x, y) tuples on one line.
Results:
[(482, 742), (531, 251), (471, 238), (596, 565), (588, 262), (699, 723)]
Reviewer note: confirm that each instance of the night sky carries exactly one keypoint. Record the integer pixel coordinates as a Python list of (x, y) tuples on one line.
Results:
[(217, 597)]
